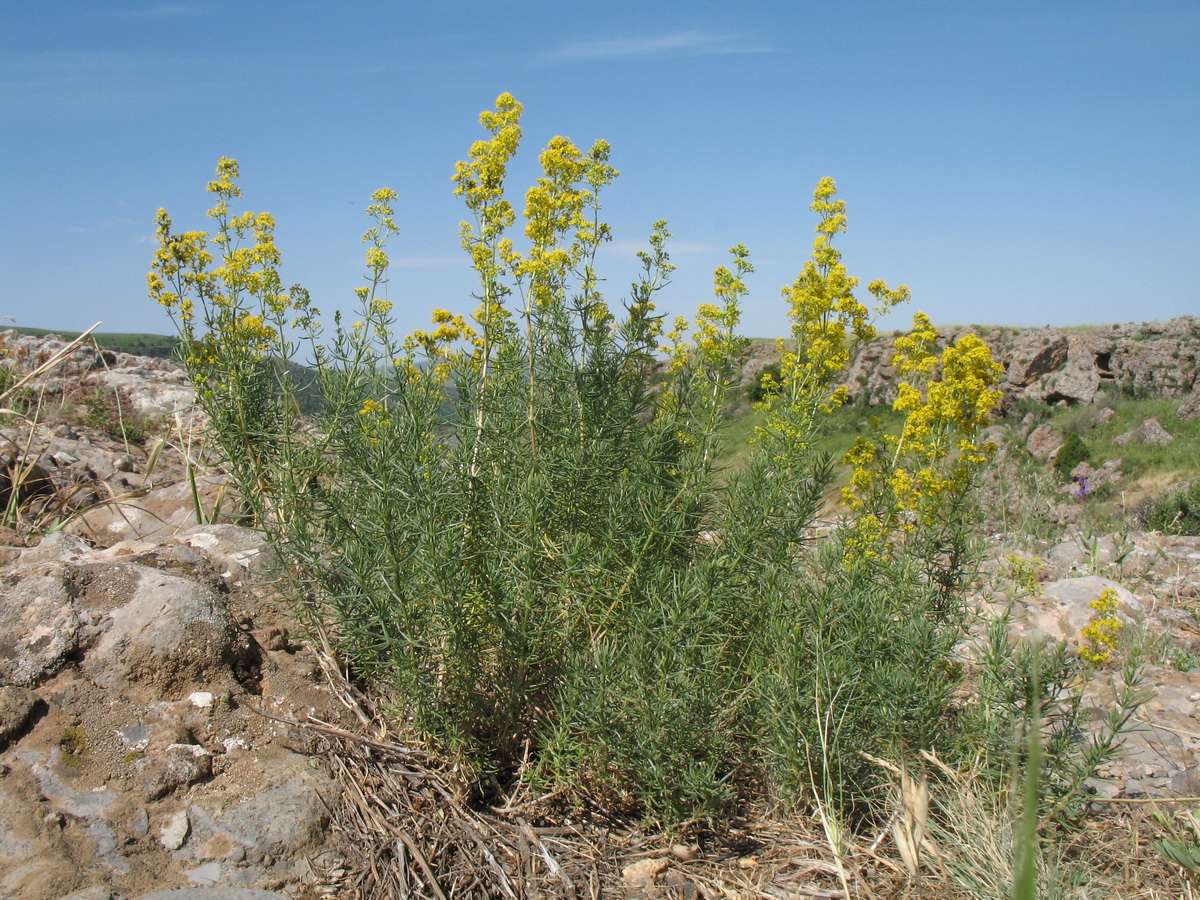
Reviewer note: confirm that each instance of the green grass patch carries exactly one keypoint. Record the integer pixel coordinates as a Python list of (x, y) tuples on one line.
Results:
[(1178, 459), (137, 343)]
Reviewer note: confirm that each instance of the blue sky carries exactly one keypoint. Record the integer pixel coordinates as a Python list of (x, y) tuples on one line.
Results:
[(1012, 162)]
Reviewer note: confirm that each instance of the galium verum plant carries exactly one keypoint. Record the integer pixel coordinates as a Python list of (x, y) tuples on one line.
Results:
[(500, 515)]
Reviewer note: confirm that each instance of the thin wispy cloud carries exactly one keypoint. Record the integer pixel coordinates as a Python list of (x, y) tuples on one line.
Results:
[(91, 84), (631, 248), (678, 43)]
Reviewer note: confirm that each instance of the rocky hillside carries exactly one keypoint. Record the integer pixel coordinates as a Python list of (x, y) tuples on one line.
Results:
[(1050, 365), (165, 728)]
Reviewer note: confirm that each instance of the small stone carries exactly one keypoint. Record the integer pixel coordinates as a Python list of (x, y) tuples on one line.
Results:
[(644, 872), (685, 853), (201, 699), (178, 766), (175, 831), (17, 706), (274, 637), (135, 737), (205, 873)]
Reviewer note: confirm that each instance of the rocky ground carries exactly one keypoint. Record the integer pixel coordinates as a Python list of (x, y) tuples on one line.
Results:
[(154, 690), (140, 729), (1157, 580), (148, 671)]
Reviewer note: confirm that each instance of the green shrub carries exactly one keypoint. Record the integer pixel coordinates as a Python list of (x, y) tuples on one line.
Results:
[(1073, 451), (766, 385), (1174, 512), (516, 518)]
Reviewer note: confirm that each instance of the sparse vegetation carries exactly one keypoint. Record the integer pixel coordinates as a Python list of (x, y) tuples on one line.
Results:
[(1174, 512), (537, 542), (1073, 451)]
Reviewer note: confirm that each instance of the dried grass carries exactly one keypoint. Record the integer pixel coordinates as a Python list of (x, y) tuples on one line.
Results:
[(406, 831)]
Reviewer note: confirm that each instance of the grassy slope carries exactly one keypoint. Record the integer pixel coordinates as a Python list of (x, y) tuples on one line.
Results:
[(159, 345)]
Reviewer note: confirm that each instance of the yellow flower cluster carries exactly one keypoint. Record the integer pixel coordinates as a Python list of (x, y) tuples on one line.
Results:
[(714, 342), (822, 307), (1100, 634), (439, 345), (900, 483), (373, 421), (251, 331), (236, 300), (479, 181)]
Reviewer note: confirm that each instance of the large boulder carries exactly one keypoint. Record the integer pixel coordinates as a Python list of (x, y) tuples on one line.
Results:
[(131, 625), (1044, 441), (1064, 608), (1149, 432), (1034, 355), (1078, 380), (154, 512), (40, 627), (1190, 408)]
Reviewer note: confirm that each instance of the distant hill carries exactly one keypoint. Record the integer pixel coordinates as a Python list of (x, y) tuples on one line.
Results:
[(163, 346), (157, 345)]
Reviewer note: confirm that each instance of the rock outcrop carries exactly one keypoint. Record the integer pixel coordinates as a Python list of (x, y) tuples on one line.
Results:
[(1049, 365), (135, 755)]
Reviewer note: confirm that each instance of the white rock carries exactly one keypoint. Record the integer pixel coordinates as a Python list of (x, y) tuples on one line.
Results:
[(175, 831), (201, 699)]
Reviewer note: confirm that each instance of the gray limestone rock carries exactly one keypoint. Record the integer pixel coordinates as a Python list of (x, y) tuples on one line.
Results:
[(281, 820), (40, 628), (179, 766), (163, 512), (169, 635), (1149, 432), (232, 550), (1062, 612)]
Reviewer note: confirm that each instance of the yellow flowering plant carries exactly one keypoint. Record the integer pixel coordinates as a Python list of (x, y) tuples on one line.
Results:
[(515, 516), (227, 298), (1100, 634), (913, 489)]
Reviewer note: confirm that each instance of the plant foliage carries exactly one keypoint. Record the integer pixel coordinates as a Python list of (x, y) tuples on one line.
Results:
[(515, 519)]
